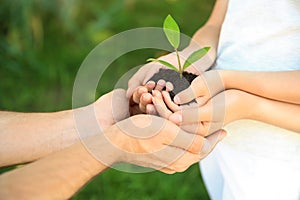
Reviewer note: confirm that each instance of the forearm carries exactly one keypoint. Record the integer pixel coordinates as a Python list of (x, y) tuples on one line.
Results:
[(281, 86), (208, 35), (57, 176), (25, 137), (248, 106), (284, 115)]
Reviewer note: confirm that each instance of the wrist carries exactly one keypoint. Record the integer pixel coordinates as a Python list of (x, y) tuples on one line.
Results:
[(225, 76), (106, 147), (240, 105)]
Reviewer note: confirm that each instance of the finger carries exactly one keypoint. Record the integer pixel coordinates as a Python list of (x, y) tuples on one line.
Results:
[(175, 159), (184, 162), (196, 128), (169, 87), (150, 85), (160, 85), (150, 109), (141, 77), (145, 99), (153, 68), (213, 111), (160, 105), (202, 128), (202, 100), (195, 114), (211, 141), (167, 171), (189, 142), (167, 99), (190, 93), (135, 82), (137, 94)]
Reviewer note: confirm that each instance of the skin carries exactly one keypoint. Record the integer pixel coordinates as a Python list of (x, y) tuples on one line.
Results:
[(63, 163), (207, 35), (268, 103), (216, 113)]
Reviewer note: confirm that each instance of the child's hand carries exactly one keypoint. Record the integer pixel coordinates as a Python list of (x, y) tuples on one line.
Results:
[(225, 107), (203, 120), (141, 100), (202, 88)]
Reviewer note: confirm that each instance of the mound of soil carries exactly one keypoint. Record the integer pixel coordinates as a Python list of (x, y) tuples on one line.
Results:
[(172, 76)]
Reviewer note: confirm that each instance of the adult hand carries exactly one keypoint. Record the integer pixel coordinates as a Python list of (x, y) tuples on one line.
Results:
[(154, 142), (142, 76), (111, 108)]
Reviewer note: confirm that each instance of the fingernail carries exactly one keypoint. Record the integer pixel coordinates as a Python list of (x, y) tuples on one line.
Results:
[(177, 99), (150, 82), (177, 118), (161, 82), (169, 86)]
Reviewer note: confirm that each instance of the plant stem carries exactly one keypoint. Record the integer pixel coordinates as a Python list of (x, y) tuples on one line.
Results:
[(179, 64)]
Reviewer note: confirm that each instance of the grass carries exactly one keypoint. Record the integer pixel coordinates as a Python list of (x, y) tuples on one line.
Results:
[(153, 185), (42, 45)]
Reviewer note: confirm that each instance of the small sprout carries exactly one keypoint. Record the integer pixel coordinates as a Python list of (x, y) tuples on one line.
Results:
[(196, 55), (163, 62), (172, 33)]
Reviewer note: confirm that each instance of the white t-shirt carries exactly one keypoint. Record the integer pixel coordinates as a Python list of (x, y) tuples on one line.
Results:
[(261, 35)]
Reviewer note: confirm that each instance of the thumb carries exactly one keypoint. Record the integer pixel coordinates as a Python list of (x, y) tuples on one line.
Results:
[(188, 94), (185, 96)]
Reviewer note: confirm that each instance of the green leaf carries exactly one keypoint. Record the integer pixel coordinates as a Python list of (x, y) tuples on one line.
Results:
[(172, 31), (167, 64), (195, 56)]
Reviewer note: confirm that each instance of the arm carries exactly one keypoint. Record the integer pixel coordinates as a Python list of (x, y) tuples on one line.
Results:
[(278, 85), (232, 105), (281, 86), (208, 35), (25, 137), (60, 175)]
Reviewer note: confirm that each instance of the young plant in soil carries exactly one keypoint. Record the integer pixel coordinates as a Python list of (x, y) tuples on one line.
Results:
[(176, 75)]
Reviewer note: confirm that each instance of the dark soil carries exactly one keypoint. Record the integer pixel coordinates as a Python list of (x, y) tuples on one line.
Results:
[(172, 76)]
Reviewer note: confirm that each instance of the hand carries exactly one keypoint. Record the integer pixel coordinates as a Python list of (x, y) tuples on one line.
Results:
[(141, 101), (204, 120), (139, 86), (153, 142), (111, 108), (202, 88), (141, 77)]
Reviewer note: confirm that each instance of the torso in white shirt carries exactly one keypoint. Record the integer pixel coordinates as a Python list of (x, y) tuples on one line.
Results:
[(261, 35)]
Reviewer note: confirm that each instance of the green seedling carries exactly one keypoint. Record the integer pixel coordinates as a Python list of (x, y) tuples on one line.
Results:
[(172, 32)]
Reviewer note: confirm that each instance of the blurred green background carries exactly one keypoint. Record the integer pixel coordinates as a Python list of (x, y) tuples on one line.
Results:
[(43, 43)]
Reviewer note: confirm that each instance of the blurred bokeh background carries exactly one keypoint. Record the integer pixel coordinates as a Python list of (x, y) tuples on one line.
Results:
[(43, 43)]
